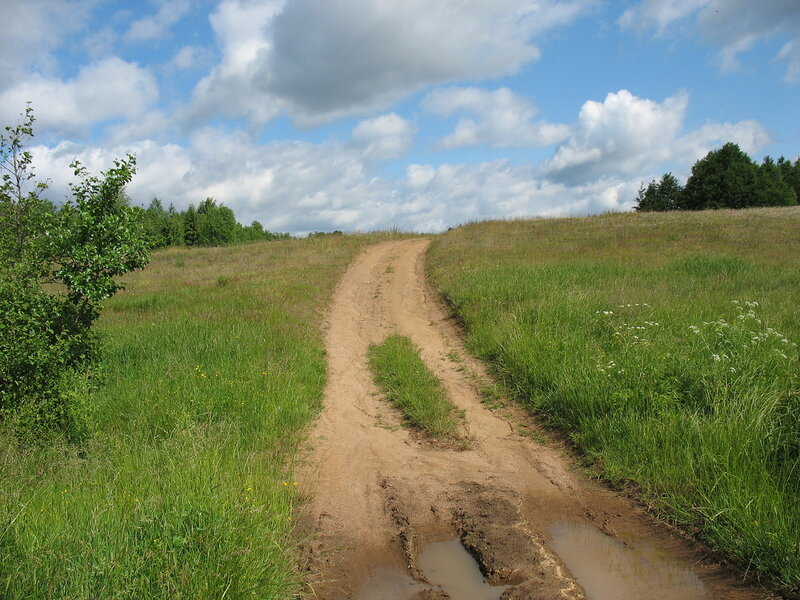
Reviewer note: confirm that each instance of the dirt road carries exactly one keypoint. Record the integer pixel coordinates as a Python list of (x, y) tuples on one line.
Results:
[(378, 495)]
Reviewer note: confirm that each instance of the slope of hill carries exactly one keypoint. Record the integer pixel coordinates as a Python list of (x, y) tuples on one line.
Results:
[(665, 345), (214, 365)]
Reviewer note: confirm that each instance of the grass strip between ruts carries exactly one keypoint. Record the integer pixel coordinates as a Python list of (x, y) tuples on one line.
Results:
[(408, 383)]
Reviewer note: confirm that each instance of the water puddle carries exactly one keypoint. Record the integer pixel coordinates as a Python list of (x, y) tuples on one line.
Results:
[(609, 570), (451, 567), (446, 564), (388, 584)]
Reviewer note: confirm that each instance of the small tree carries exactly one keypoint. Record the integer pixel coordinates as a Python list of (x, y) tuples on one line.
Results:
[(190, 226), (45, 329), (174, 233), (791, 174), (724, 178), (25, 217), (661, 196), (216, 224), (771, 189)]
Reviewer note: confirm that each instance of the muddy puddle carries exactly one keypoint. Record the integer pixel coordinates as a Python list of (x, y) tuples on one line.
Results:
[(449, 568), (608, 569), (388, 584)]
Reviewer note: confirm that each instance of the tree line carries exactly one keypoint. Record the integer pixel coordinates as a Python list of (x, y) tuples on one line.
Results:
[(210, 224), (725, 178)]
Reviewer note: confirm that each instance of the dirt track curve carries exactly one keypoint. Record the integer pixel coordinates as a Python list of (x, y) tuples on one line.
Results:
[(376, 494)]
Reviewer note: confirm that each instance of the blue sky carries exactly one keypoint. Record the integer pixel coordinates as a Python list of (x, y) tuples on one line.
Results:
[(368, 114)]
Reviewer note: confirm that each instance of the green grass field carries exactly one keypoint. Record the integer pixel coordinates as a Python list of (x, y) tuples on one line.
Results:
[(183, 488), (665, 345), (406, 381)]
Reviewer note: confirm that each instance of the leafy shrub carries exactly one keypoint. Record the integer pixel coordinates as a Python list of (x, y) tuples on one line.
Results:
[(56, 267)]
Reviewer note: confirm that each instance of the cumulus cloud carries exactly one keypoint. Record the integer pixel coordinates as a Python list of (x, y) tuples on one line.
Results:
[(620, 135), (735, 26), (497, 189), (241, 29), (384, 137), (157, 26), (750, 135), (504, 119), (625, 135), (301, 187), (34, 28), (103, 90), (185, 58), (659, 13), (322, 60)]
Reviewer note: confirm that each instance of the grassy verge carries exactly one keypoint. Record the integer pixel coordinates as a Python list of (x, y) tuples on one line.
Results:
[(412, 387), (183, 487), (666, 346)]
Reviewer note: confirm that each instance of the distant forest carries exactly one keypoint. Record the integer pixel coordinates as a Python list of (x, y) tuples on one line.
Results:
[(210, 224), (725, 178)]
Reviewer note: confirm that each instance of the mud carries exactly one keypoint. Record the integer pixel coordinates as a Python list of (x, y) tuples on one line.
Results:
[(375, 496)]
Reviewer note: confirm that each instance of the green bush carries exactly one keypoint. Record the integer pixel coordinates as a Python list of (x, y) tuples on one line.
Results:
[(56, 267)]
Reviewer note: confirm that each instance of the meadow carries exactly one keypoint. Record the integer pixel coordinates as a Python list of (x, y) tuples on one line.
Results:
[(665, 346), (182, 485)]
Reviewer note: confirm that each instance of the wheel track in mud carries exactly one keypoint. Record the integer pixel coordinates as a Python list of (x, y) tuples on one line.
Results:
[(375, 493)]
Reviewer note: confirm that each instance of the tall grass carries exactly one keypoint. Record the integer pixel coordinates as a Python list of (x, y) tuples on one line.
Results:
[(666, 347), (183, 487), (412, 387)]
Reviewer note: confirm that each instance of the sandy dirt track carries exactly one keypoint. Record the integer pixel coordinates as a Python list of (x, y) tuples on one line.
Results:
[(376, 493)]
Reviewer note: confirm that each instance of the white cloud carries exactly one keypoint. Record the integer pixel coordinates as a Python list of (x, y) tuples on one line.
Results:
[(734, 26), (157, 26), (659, 13), (790, 52), (460, 193), (505, 119), (34, 28), (301, 187), (749, 135), (185, 58), (384, 137), (323, 60), (626, 135), (100, 43), (242, 33), (103, 90), (619, 136)]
